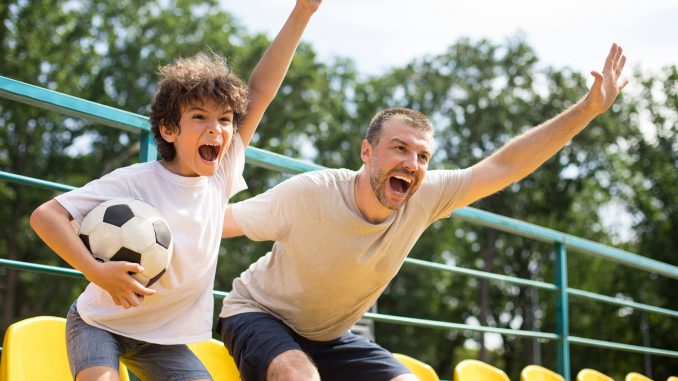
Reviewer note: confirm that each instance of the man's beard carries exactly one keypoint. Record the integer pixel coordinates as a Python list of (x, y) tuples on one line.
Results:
[(378, 183)]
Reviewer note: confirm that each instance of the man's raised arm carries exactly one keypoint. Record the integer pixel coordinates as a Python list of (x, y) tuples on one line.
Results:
[(525, 153)]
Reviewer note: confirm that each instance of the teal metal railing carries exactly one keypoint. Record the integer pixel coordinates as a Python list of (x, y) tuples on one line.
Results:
[(108, 116)]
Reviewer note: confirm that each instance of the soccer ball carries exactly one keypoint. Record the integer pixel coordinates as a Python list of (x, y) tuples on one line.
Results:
[(127, 229)]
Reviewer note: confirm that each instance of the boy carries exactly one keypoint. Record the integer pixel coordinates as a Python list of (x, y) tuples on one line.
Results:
[(202, 119)]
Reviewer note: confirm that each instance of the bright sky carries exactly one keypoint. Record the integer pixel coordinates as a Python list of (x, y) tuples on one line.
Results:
[(378, 34)]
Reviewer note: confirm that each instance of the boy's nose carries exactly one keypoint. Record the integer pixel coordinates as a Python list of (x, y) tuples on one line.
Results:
[(214, 128)]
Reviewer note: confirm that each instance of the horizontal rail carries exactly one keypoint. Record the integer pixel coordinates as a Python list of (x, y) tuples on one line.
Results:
[(622, 302), (72, 106), (541, 285), (623, 347), (18, 265), (457, 326), (276, 162), (482, 274), (25, 180), (525, 229)]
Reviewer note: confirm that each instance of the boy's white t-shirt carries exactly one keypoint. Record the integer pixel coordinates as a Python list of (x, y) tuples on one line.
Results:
[(181, 310)]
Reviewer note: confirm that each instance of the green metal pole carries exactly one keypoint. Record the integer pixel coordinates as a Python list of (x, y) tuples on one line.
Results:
[(562, 312), (147, 148)]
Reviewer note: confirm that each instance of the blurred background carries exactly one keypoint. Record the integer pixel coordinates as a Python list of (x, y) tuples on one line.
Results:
[(483, 72)]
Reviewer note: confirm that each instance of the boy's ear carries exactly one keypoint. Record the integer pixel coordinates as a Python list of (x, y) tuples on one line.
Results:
[(167, 133)]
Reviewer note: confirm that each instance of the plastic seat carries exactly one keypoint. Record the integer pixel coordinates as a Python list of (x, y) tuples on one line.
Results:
[(473, 370), (672, 378), (423, 371), (592, 375), (217, 360), (633, 376), (539, 373), (35, 349)]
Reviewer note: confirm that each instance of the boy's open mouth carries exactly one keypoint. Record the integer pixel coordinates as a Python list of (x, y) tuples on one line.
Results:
[(209, 152), (400, 184)]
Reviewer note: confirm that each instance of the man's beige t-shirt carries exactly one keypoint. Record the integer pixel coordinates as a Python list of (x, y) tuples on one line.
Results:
[(328, 264)]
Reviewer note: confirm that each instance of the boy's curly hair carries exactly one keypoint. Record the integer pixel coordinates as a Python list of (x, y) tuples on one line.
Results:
[(197, 78)]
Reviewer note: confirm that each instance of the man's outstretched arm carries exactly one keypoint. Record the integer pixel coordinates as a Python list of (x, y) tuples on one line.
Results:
[(525, 153)]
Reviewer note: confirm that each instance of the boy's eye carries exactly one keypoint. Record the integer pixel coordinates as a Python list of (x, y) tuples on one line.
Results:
[(198, 116), (226, 120)]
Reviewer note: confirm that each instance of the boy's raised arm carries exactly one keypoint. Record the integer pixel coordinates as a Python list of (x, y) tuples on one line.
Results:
[(272, 67)]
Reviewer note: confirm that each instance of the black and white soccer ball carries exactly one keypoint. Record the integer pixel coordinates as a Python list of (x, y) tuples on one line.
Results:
[(127, 229)]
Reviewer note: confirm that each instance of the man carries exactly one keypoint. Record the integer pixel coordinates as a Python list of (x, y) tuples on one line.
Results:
[(341, 236)]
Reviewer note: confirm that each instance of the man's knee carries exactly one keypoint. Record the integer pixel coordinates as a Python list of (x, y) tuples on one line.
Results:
[(292, 365)]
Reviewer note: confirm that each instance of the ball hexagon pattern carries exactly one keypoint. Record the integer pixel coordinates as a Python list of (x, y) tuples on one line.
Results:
[(127, 229)]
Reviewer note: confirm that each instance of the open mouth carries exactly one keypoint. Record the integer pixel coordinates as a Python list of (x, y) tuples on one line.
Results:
[(400, 184), (209, 152)]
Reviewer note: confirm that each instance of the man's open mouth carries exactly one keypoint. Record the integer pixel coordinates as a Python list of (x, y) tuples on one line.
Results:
[(400, 184), (209, 152)]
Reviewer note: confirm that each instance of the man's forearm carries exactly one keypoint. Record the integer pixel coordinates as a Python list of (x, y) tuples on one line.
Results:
[(525, 153)]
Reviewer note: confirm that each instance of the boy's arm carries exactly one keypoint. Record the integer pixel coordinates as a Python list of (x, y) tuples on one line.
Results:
[(52, 223), (272, 67), (230, 228), (525, 153)]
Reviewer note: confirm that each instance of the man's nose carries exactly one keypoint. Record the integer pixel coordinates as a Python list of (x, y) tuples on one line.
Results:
[(410, 163)]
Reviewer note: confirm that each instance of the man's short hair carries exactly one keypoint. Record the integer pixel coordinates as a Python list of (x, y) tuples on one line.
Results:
[(198, 78), (413, 118)]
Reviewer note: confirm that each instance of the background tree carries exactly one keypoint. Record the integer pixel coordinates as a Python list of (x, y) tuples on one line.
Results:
[(479, 94)]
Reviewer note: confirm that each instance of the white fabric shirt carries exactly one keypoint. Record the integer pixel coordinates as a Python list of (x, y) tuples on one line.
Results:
[(328, 264), (181, 310)]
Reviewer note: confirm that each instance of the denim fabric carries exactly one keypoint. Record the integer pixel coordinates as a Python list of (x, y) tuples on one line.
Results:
[(91, 346)]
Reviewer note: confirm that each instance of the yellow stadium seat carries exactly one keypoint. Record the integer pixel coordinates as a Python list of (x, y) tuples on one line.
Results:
[(217, 360), (420, 369), (539, 373), (592, 375), (633, 376), (473, 370), (35, 349)]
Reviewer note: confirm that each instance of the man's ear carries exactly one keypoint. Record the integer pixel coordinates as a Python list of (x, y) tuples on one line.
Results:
[(366, 152), (169, 134)]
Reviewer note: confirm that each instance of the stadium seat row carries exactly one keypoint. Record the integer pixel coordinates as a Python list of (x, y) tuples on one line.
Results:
[(35, 349), (471, 370)]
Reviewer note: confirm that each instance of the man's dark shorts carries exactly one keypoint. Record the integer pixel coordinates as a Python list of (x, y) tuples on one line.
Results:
[(255, 339)]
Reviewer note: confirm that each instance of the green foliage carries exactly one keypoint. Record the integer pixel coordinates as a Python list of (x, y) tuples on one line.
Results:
[(479, 95)]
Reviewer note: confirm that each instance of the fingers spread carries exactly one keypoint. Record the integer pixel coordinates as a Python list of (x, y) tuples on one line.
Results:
[(610, 60), (620, 65)]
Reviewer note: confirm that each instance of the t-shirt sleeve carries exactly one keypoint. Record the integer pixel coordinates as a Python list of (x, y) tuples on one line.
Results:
[(267, 217), (79, 202), (443, 191), (233, 167)]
